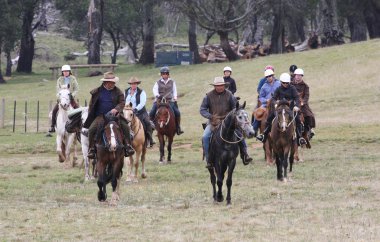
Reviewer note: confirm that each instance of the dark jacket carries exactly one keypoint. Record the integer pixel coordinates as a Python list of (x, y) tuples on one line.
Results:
[(303, 92), (231, 84), (117, 99), (290, 93)]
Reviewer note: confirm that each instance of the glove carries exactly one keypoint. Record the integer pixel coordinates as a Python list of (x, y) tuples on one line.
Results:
[(135, 110), (296, 109)]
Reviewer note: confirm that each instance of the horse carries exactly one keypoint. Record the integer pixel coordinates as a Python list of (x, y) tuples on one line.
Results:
[(64, 139), (138, 144), (224, 149), (166, 127), (110, 161), (283, 138), (261, 114)]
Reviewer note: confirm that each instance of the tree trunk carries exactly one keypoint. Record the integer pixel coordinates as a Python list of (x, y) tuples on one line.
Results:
[(116, 45), (2, 81), (277, 39), (224, 43), (372, 19), (27, 42), (8, 70), (357, 26), (147, 54), (193, 45), (330, 28), (95, 26), (43, 26)]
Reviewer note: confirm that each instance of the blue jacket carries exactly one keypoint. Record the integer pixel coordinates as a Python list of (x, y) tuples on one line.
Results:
[(267, 91)]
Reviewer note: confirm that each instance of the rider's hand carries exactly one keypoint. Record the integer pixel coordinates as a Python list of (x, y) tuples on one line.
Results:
[(296, 109), (135, 110), (114, 112)]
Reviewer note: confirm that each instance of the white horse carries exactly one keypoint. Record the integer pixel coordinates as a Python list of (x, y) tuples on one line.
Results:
[(85, 146), (64, 139)]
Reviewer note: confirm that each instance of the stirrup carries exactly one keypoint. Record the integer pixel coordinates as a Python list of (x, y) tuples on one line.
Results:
[(209, 165), (246, 159), (261, 137), (302, 141), (128, 151)]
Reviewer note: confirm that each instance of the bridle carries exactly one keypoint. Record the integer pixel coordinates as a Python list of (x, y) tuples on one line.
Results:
[(283, 123), (240, 138), (133, 120)]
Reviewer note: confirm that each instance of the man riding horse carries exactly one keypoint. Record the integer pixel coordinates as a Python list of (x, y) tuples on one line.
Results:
[(289, 93), (303, 92), (106, 98), (215, 106), (166, 88)]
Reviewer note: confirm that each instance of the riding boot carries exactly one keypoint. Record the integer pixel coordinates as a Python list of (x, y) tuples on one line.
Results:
[(150, 139), (244, 154), (178, 121), (301, 140), (53, 119), (209, 165), (92, 150), (263, 137)]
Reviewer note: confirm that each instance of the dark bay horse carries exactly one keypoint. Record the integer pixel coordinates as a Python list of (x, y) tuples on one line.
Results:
[(166, 127), (110, 161), (224, 149), (283, 138)]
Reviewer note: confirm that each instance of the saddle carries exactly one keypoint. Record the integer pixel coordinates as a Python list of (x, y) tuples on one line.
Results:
[(74, 123)]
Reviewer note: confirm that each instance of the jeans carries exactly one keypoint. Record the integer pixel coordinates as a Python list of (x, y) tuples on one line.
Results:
[(206, 140), (173, 105)]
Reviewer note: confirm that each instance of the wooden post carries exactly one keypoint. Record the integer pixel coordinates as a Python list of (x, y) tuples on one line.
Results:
[(2, 113), (14, 116), (26, 114), (38, 115)]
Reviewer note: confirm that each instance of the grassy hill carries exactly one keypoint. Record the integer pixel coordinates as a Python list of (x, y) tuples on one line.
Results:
[(334, 195)]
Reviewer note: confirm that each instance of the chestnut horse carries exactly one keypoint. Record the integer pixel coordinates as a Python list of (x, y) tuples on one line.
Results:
[(166, 127), (138, 144), (224, 149), (283, 138), (110, 161)]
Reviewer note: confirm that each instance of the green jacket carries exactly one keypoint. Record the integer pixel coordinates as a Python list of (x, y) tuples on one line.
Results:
[(74, 87)]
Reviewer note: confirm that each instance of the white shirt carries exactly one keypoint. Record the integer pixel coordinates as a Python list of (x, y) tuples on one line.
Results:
[(155, 88)]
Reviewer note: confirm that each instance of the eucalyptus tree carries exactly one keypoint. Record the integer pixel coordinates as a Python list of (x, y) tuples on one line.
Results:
[(95, 16), (220, 16)]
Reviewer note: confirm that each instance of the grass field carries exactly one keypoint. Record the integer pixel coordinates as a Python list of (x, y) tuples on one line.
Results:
[(333, 196)]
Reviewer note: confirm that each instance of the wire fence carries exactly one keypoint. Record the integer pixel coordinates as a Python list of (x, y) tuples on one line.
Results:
[(26, 116)]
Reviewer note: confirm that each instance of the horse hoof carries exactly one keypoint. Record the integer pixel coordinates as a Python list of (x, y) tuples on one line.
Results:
[(220, 199), (143, 176), (161, 162)]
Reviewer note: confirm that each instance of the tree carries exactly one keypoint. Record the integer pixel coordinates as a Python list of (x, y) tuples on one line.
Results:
[(333, 35), (147, 54), (193, 45), (222, 17), (95, 30), (372, 18), (27, 40)]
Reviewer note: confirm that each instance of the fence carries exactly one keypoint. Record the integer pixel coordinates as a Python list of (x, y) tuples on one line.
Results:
[(26, 116)]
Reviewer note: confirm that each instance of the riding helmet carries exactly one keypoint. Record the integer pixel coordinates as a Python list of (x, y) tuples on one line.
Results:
[(292, 68)]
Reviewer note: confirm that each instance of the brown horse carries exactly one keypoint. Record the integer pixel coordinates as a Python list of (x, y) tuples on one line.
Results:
[(261, 114), (110, 161), (138, 144), (283, 138), (166, 127), (306, 134)]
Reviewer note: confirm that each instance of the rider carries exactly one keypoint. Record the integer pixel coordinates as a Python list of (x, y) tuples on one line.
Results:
[(288, 92), (68, 79), (166, 88), (106, 98), (137, 97), (215, 107), (266, 93), (264, 79), (227, 71), (292, 68), (303, 92)]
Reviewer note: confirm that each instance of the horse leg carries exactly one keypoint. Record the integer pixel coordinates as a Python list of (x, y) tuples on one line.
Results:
[(219, 182), (268, 153), (102, 194), (130, 169), (229, 181), (138, 155), (61, 157), (143, 172), (170, 142), (116, 174), (279, 168), (285, 164), (162, 147), (84, 143), (213, 182)]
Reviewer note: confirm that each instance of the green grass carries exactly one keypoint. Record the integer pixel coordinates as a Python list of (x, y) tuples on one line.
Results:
[(333, 195)]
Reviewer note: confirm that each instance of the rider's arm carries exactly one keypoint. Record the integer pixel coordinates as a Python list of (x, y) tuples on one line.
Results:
[(295, 96), (58, 85), (262, 96), (305, 99), (174, 91), (142, 100), (75, 86), (204, 108), (155, 90)]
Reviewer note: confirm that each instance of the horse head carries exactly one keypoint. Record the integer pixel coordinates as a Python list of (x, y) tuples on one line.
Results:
[(112, 136), (242, 121), (283, 114), (64, 97), (163, 114), (128, 112)]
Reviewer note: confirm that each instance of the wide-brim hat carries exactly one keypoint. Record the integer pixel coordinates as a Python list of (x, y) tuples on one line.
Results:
[(218, 81), (109, 77), (134, 80), (259, 113)]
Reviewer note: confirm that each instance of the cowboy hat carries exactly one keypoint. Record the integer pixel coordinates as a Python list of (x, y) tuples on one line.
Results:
[(218, 81), (259, 113), (109, 77), (134, 80)]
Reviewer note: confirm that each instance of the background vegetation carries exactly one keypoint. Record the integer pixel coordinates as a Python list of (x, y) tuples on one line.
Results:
[(333, 195)]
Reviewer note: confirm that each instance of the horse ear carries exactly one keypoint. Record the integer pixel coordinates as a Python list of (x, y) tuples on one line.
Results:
[(130, 104), (237, 105), (243, 106)]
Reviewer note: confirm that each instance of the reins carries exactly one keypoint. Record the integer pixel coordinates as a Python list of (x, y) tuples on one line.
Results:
[(221, 135)]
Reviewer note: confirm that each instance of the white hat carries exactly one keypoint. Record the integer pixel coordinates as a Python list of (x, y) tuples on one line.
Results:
[(227, 68), (285, 77), (109, 77), (298, 71), (268, 72), (66, 68), (218, 81)]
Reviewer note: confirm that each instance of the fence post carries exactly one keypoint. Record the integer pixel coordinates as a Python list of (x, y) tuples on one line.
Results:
[(26, 115), (38, 115), (14, 116), (2, 113)]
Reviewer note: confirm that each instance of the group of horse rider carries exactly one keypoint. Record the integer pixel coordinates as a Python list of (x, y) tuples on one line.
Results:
[(108, 99)]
